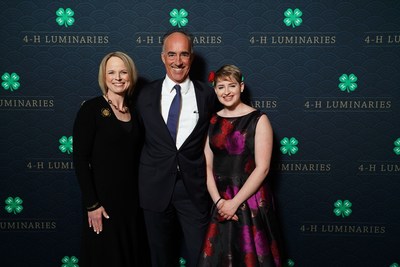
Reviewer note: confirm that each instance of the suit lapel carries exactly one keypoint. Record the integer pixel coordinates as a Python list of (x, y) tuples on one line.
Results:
[(155, 104), (199, 91)]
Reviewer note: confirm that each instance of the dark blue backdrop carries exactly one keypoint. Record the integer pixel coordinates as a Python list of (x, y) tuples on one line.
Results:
[(325, 72)]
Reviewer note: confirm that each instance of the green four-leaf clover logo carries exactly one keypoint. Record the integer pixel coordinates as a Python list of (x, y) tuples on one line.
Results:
[(348, 82), (396, 148), (182, 262), (293, 17), (289, 146), (290, 263), (178, 17), (65, 17), (13, 205), (70, 262), (66, 144), (342, 208), (10, 81), (394, 264)]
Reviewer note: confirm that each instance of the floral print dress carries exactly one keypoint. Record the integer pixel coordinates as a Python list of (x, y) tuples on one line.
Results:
[(253, 240)]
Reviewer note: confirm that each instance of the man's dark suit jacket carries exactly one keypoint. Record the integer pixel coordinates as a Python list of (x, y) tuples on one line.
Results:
[(160, 158)]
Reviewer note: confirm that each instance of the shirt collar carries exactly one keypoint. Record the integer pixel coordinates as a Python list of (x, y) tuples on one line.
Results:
[(170, 85)]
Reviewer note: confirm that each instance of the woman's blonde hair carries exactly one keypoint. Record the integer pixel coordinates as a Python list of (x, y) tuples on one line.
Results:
[(129, 64), (228, 72)]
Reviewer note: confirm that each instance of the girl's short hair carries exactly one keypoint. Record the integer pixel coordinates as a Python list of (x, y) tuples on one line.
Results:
[(228, 72)]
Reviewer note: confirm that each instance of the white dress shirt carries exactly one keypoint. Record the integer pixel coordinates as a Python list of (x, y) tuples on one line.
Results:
[(189, 114)]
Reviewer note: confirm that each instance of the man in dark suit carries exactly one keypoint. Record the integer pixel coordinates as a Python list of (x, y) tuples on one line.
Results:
[(172, 174)]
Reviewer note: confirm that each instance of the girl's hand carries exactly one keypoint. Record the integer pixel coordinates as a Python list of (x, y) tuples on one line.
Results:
[(227, 209)]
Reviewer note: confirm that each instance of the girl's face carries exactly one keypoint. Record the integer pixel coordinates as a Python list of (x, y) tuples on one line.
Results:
[(228, 91)]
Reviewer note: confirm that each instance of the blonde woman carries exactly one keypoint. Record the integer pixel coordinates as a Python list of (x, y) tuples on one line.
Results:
[(105, 158)]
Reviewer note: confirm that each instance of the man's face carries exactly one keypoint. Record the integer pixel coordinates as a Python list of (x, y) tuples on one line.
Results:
[(177, 57)]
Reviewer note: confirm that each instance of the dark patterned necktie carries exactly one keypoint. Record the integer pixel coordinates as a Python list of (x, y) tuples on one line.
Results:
[(174, 111)]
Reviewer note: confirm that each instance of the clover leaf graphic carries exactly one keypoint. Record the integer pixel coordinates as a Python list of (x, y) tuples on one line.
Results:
[(290, 263), (348, 82), (182, 262), (13, 205), (342, 208), (66, 144), (394, 264), (178, 17), (10, 81), (289, 146), (70, 262), (396, 148), (293, 18), (65, 17)]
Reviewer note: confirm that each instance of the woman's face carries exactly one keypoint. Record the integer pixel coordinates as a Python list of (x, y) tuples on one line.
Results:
[(117, 76), (228, 92)]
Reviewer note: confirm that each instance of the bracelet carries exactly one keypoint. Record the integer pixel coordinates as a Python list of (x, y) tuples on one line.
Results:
[(93, 207), (216, 203)]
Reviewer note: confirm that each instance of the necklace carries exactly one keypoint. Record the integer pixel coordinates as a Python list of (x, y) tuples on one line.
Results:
[(124, 110)]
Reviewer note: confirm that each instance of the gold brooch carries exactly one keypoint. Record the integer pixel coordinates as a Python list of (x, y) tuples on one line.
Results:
[(105, 112)]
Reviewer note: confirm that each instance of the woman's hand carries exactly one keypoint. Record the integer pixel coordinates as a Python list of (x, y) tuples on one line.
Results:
[(227, 209), (95, 218)]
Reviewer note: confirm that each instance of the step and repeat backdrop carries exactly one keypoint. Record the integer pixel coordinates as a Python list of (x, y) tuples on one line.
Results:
[(326, 72)]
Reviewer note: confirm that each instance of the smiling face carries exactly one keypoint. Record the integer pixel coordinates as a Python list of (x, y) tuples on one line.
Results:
[(177, 56), (228, 91), (117, 76)]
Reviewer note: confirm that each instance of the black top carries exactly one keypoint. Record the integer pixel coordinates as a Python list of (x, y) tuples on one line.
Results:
[(105, 161)]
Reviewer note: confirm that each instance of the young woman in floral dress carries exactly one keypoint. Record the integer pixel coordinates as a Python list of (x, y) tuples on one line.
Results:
[(243, 230)]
